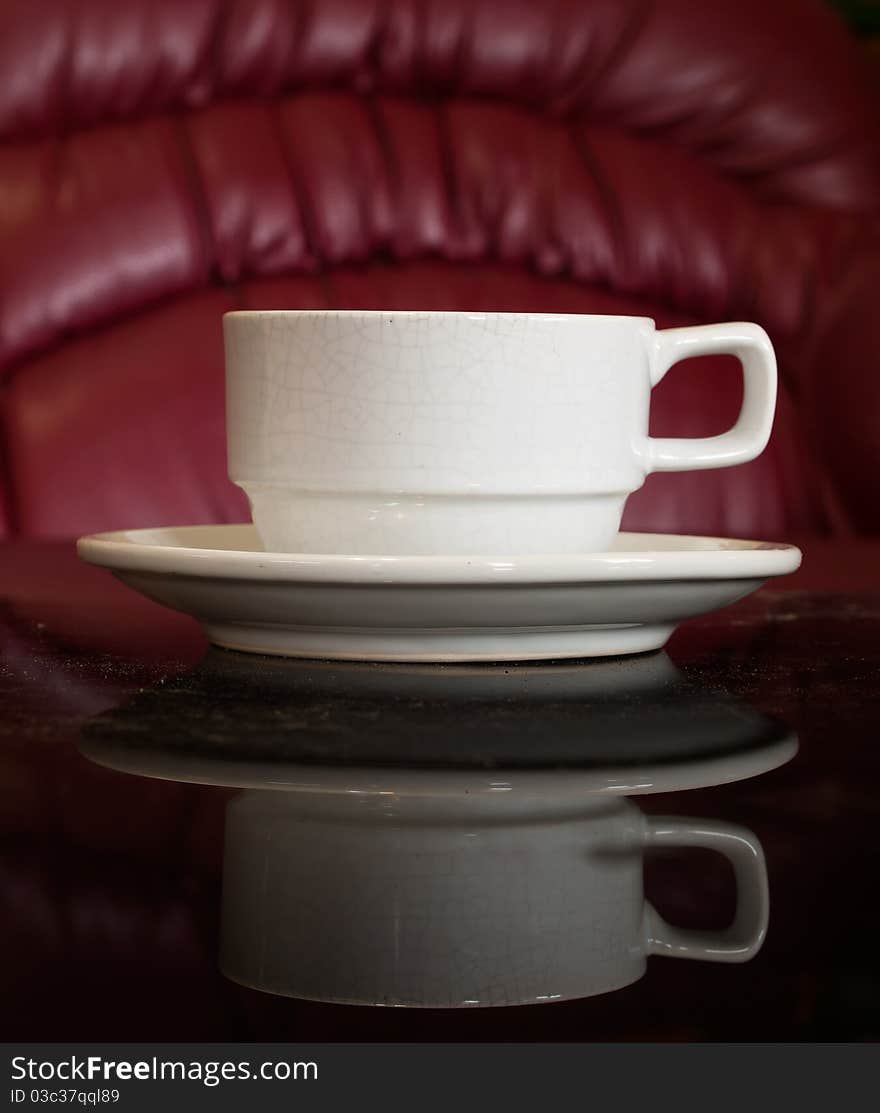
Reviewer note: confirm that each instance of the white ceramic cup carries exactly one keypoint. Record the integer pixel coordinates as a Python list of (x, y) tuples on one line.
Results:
[(463, 433), (458, 901)]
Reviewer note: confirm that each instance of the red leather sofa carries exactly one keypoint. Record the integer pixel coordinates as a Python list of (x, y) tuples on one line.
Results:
[(162, 162)]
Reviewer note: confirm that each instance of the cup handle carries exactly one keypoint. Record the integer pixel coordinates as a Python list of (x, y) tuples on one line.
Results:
[(748, 437), (745, 936)]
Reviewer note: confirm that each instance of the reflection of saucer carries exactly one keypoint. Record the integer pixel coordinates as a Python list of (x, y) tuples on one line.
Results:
[(628, 600), (626, 726), (236, 708), (624, 677), (633, 780)]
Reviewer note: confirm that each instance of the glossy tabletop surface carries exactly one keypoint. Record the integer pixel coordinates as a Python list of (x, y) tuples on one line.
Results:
[(123, 737)]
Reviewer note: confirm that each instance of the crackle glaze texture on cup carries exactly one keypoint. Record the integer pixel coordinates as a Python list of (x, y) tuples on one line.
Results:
[(463, 433), (460, 901)]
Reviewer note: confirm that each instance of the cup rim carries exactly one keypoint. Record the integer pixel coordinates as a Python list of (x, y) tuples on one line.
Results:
[(474, 315)]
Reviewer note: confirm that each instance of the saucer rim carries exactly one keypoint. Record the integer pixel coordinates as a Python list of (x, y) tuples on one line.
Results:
[(710, 558)]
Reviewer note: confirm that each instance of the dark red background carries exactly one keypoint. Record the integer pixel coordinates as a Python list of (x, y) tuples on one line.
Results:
[(162, 162)]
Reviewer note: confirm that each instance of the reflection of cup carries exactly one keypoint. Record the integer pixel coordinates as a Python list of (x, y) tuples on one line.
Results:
[(445, 835), (425, 433), (496, 899)]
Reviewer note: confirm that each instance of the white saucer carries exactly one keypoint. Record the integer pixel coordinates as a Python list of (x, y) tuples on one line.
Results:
[(628, 600)]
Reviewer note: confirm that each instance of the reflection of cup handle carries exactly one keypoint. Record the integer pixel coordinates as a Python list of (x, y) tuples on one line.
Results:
[(749, 436), (743, 939)]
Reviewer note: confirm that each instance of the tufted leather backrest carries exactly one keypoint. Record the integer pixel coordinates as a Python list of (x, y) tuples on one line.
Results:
[(162, 162)]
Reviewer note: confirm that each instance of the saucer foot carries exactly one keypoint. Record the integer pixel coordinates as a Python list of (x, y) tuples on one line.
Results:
[(486, 645)]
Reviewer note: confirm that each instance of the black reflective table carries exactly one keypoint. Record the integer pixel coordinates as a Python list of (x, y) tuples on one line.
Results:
[(123, 737)]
